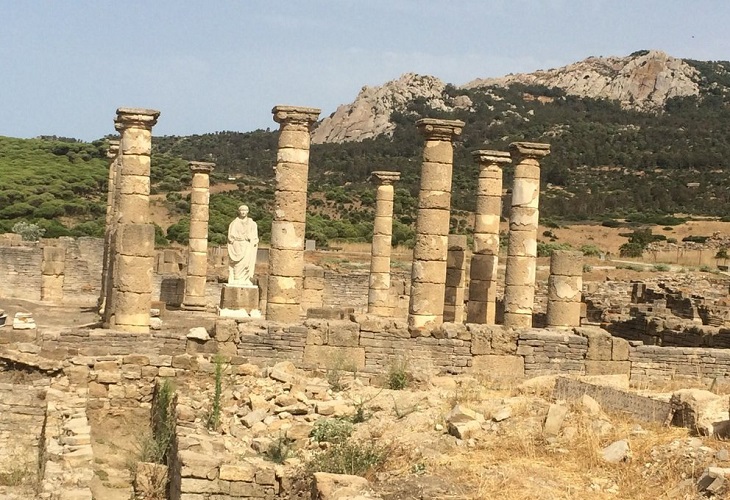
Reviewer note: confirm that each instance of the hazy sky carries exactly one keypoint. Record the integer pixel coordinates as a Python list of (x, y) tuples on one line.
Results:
[(65, 66)]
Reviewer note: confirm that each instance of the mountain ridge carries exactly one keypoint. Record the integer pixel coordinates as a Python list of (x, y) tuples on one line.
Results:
[(644, 81)]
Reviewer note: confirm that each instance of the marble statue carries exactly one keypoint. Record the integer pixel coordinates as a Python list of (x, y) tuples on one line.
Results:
[(243, 244)]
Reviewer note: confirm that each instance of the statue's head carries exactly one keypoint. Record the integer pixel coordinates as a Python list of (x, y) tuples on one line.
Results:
[(243, 211)]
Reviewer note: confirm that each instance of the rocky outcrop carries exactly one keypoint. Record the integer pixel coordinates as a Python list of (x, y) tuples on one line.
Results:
[(369, 115), (642, 81)]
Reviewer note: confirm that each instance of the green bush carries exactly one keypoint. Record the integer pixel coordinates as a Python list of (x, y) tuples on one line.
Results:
[(590, 250), (546, 249), (398, 376), (331, 430), (28, 231), (610, 223), (661, 267), (353, 458)]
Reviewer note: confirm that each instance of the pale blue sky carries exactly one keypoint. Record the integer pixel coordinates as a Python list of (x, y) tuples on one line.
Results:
[(223, 64)]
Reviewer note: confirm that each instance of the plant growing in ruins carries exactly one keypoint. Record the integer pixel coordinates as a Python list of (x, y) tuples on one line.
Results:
[(155, 447), (279, 450), (354, 458), (398, 376), (331, 430), (214, 416)]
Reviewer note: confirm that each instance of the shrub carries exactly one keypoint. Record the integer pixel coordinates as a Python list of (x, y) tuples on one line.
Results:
[(28, 231), (661, 267), (696, 239), (546, 249), (357, 459), (610, 223), (331, 430), (279, 450), (590, 250), (398, 376), (587, 268)]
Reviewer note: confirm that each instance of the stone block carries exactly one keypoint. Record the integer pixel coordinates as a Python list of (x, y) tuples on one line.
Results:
[(344, 334), (600, 344), (607, 367), (500, 367), (226, 330), (330, 357), (619, 349)]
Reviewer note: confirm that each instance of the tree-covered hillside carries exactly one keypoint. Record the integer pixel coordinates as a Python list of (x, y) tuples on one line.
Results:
[(606, 162)]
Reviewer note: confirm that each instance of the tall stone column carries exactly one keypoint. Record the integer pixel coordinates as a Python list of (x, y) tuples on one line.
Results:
[(194, 299), (379, 302), (286, 255), (428, 274), (111, 200), (519, 282), (133, 243), (483, 271), (565, 285), (455, 279)]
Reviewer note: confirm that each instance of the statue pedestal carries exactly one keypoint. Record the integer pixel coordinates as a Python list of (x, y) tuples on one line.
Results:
[(239, 301)]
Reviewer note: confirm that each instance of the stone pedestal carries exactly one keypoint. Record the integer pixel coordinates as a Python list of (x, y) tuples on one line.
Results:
[(428, 276), (379, 300), (197, 270), (519, 282), (565, 286), (239, 301), (483, 271), (286, 255), (133, 242)]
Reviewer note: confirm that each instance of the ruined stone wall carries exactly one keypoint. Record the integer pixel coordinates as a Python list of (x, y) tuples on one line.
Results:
[(82, 271), (20, 269)]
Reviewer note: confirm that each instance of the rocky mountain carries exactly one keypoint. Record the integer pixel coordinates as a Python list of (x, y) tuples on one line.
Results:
[(369, 115), (641, 81)]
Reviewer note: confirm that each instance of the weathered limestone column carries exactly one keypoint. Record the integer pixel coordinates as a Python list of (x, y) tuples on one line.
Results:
[(428, 276), (111, 200), (483, 271), (134, 240), (519, 283), (564, 289), (197, 272), (286, 256), (379, 302), (53, 268), (455, 279)]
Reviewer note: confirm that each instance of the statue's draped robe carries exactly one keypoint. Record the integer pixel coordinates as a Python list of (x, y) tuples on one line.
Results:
[(243, 244)]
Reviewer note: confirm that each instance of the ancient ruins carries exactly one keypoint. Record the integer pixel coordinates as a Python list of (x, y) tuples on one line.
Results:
[(120, 319)]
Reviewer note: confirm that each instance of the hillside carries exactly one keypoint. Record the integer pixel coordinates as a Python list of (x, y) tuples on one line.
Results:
[(617, 150)]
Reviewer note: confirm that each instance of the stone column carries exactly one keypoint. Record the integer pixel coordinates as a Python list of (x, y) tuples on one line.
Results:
[(455, 279), (564, 289), (379, 302), (111, 200), (519, 282), (286, 256), (194, 299), (483, 271), (428, 274), (134, 240)]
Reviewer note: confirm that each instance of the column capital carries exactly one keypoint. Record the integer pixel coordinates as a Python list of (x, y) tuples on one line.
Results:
[(439, 130), (529, 150), (113, 149), (136, 117), (201, 167), (487, 157), (296, 116), (384, 177)]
